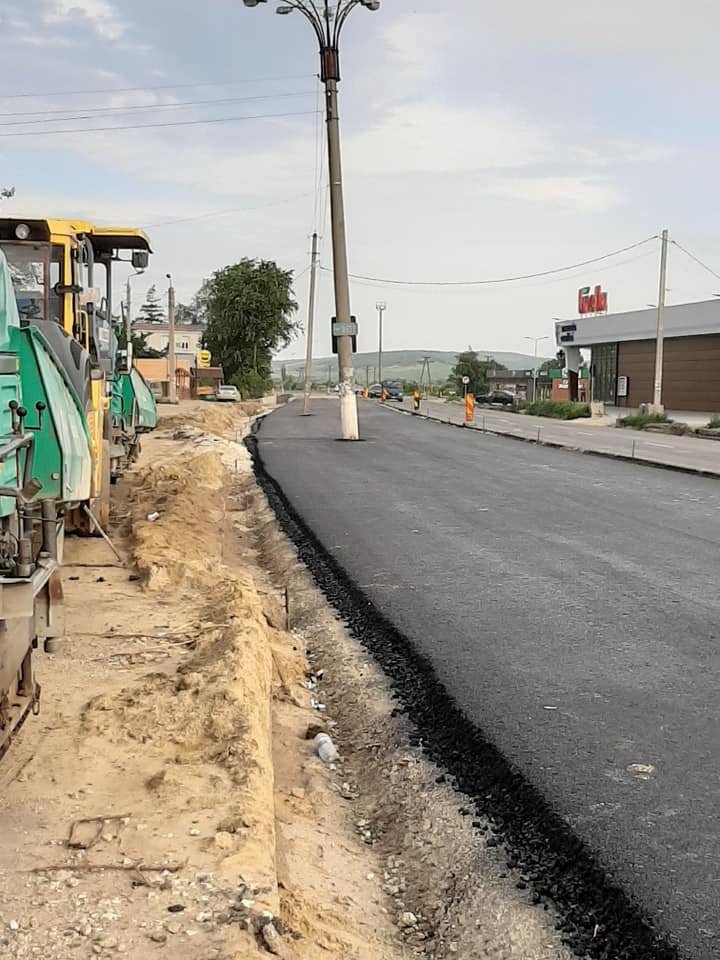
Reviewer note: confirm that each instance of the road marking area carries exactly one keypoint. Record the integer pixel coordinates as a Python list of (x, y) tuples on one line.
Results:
[(654, 443)]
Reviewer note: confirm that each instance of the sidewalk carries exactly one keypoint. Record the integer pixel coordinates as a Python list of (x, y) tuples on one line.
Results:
[(688, 454)]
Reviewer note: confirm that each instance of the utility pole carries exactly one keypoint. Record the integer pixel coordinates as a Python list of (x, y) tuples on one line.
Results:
[(348, 400), (327, 20), (426, 361), (657, 405), (172, 385), (311, 321), (367, 375), (381, 308)]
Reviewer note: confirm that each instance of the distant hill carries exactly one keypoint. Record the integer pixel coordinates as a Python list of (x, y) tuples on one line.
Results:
[(402, 364)]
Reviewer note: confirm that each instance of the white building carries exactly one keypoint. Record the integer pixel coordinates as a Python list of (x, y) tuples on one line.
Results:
[(188, 338)]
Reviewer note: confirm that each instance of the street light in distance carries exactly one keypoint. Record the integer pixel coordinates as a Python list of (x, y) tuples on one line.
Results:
[(536, 341)]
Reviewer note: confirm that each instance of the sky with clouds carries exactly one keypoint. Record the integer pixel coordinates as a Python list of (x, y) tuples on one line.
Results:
[(480, 140)]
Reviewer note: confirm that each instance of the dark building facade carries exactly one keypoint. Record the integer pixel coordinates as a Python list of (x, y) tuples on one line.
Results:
[(622, 348)]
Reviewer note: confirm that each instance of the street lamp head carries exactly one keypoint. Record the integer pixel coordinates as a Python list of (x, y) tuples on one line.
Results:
[(371, 4), (284, 10), (381, 305), (253, 3)]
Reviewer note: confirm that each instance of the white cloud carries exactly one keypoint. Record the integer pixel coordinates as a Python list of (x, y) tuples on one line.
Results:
[(102, 16), (569, 195)]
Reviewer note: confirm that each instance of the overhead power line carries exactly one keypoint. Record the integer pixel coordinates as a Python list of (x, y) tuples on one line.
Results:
[(154, 126), (93, 113), (160, 86), (513, 279), (222, 213), (696, 259)]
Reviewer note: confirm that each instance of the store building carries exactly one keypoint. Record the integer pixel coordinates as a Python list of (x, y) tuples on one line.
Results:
[(517, 382), (622, 348)]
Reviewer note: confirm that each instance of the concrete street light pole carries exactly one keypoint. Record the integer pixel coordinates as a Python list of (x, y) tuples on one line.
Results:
[(381, 307), (536, 341), (327, 20)]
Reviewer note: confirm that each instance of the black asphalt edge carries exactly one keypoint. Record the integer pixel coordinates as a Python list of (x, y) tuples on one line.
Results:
[(598, 920), (557, 445)]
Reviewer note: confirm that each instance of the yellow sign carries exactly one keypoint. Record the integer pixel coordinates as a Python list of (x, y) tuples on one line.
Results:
[(204, 358)]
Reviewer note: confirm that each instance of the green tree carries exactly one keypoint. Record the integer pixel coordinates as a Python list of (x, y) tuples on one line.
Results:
[(152, 310), (250, 308), (141, 349), (557, 362), (6, 193), (184, 314), (469, 365)]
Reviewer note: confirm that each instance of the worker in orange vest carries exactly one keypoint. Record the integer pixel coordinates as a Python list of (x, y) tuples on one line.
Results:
[(416, 400)]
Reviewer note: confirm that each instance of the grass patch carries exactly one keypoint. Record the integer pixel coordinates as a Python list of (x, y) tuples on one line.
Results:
[(714, 422), (559, 409), (640, 420)]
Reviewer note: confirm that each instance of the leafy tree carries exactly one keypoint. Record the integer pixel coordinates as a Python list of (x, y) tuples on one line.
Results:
[(141, 349), (557, 362), (152, 310), (250, 309), (184, 314), (6, 193), (470, 365)]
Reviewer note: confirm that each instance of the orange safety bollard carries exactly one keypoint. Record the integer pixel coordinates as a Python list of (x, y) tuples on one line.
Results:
[(384, 394), (469, 407)]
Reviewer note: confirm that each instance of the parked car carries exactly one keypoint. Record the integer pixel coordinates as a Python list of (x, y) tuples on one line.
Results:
[(501, 397), (227, 393), (375, 390)]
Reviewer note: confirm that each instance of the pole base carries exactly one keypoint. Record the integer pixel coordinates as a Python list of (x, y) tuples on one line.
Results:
[(349, 429)]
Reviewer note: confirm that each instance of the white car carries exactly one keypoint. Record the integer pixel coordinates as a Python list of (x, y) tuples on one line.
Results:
[(227, 392)]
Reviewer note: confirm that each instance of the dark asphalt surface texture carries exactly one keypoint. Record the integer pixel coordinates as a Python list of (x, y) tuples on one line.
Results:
[(570, 604)]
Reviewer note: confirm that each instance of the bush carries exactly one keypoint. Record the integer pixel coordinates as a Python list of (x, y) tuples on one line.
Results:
[(714, 422), (252, 385), (641, 420), (559, 409)]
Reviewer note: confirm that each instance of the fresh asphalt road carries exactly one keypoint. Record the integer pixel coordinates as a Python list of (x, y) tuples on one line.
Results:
[(571, 606), (688, 451)]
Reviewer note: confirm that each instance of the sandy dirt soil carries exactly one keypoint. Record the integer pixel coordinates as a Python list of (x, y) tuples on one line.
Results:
[(166, 801)]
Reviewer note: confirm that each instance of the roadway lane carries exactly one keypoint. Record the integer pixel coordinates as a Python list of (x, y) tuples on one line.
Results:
[(694, 452), (571, 606)]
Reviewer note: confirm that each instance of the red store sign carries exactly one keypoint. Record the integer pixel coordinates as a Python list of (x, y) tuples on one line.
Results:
[(595, 302)]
